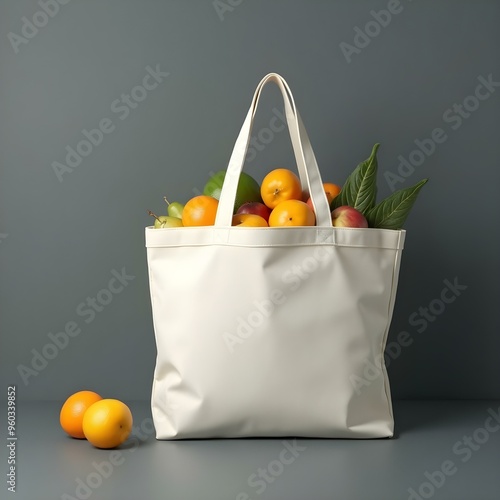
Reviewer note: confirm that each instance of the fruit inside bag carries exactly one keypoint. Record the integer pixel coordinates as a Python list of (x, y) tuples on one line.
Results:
[(279, 201)]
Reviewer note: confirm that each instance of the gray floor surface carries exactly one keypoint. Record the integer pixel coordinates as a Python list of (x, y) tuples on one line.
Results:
[(441, 450)]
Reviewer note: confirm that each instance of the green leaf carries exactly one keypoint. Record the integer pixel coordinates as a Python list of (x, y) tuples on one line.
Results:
[(392, 212), (360, 188)]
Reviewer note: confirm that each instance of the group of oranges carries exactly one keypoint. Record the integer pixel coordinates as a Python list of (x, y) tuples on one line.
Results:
[(105, 423), (281, 192)]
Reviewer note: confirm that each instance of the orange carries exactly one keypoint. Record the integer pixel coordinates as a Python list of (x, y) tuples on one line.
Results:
[(292, 213), (107, 423), (200, 211), (280, 185), (249, 220), (72, 411), (331, 191)]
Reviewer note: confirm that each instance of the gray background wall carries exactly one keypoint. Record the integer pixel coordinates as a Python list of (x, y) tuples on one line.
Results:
[(60, 241)]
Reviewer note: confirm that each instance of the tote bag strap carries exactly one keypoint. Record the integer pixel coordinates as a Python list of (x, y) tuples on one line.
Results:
[(304, 156)]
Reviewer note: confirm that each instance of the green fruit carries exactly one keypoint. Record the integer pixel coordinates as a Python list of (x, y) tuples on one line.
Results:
[(248, 188), (165, 221), (174, 209)]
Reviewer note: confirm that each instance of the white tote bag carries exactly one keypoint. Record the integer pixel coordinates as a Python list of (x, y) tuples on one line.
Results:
[(272, 331)]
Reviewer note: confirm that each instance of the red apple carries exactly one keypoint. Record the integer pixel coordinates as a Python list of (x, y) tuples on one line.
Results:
[(345, 216), (255, 208)]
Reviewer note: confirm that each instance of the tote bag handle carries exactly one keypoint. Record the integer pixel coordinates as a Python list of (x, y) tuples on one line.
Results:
[(304, 156)]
